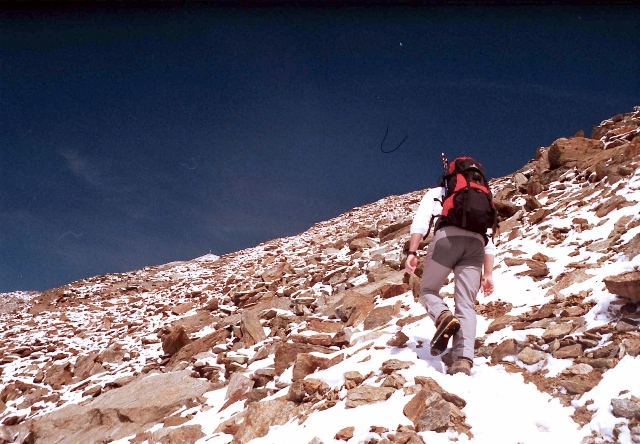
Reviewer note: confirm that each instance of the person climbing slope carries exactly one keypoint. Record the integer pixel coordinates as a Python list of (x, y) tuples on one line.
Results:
[(463, 210)]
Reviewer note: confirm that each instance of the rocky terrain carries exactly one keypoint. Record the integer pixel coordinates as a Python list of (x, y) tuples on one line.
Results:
[(318, 338)]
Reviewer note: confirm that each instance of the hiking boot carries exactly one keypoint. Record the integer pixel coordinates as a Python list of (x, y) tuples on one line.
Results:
[(446, 326), (460, 366)]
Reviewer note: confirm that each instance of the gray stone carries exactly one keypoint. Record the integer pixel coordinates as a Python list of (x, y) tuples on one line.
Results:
[(625, 408)]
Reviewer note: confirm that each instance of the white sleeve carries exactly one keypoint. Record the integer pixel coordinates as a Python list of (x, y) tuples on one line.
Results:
[(430, 205), (490, 248)]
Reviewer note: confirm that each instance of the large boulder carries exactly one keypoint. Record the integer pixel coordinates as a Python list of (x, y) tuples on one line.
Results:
[(625, 284), (120, 412), (571, 152)]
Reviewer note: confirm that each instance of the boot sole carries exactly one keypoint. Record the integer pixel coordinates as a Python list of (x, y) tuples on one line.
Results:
[(449, 327)]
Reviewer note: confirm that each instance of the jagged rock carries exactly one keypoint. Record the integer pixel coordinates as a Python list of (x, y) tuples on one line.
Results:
[(580, 369), (252, 331), (632, 248), (393, 365), (558, 330), (198, 346), (84, 367), (546, 311), (626, 325), (238, 383), (114, 354), (120, 412), (367, 394), (182, 308), (354, 376), (611, 204), (296, 392), (508, 347), (277, 272), (632, 346), (530, 356), (345, 434), (188, 434), (260, 416), (625, 284), (501, 322), (538, 216), (362, 243), (175, 340), (569, 152), (59, 375), (626, 408), (580, 384), (380, 316), (307, 363), (354, 308), (570, 351), (429, 384), (536, 269), (394, 380), (286, 354), (399, 340), (428, 411), (392, 290)]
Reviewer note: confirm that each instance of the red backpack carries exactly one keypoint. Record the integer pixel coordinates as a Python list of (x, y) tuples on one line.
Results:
[(468, 202)]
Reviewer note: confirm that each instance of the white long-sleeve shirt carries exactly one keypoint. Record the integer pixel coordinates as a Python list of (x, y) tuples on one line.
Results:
[(431, 205)]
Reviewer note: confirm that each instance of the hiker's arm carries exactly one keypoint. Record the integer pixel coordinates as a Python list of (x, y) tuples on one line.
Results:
[(412, 260), (487, 276)]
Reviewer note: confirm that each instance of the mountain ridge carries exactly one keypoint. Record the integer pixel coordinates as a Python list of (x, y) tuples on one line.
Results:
[(261, 344)]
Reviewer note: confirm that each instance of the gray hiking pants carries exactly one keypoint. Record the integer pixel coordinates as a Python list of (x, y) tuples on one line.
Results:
[(462, 251)]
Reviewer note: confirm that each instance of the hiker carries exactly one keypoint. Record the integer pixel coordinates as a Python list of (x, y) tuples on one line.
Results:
[(466, 251)]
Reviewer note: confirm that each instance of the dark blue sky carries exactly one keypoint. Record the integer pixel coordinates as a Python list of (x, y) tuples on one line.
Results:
[(138, 137)]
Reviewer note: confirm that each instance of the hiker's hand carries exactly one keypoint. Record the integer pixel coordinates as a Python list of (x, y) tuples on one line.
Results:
[(487, 285), (411, 263)]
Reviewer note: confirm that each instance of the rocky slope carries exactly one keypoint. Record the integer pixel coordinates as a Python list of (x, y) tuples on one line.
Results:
[(318, 338)]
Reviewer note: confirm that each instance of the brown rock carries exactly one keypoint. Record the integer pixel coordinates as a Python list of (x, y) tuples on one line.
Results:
[(119, 412), (198, 346), (184, 435), (580, 384), (395, 381), (632, 346), (354, 308), (392, 290), (428, 411), (59, 375), (429, 384), (252, 331), (508, 347), (182, 308), (570, 351), (501, 322), (325, 340), (399, 340), (307, 363), (296, 392), (354, 376), (367, 394), (286, 354), (536, 269), (362, 243), (538, 216), (175, 340), (546, 311), (558, 330), (574, 151), (625, 284), (238, 383), (93, 391), (260, 416), (380, 316), (277, 271), (393, 365), (632, 248), (530, 356), (611, 204), (345, 434)]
